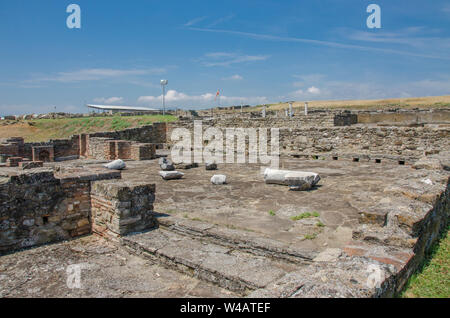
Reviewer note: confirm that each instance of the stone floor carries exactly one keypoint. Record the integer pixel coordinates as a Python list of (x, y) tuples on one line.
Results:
[(347, 190), (108, 271), (362, 213)]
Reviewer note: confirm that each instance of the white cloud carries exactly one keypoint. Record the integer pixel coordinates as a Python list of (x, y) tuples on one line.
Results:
[(446, 9), (227, 59), (268, 37), (310, 77), (221, 20), (313, 90), (95, 74), (310, 92), (110, 100), (235, 77), (194, 21), (340, 90), (206, 99)]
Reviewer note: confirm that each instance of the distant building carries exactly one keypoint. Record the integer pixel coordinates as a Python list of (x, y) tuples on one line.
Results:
[(115, 109)]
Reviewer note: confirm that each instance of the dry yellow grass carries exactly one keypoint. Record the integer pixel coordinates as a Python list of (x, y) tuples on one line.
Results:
[(416, 102)]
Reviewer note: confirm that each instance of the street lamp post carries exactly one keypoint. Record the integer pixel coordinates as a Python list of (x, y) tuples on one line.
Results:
[(163, 85)]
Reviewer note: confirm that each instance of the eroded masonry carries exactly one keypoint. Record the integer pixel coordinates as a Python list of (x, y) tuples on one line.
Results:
[(361, 231)]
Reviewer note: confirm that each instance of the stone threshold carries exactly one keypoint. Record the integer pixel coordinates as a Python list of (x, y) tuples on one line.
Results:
[(232, 269), (246, 241)]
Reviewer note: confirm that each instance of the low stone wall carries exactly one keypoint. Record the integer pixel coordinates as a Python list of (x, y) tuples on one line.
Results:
[(404, 142), (88, 145), (38, 207), (42, 206), (154, 134), (142, 151), (405, 117), (102, 148), (345, 119), (120, 208)]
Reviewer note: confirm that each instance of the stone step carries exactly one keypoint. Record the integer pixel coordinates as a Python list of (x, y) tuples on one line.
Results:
[(231, 269), (249, 242)]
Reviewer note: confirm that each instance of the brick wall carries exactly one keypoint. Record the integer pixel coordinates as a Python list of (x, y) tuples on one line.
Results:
[(38, 207), (122, 149), (101, 148), (120, 208), (143, 151)]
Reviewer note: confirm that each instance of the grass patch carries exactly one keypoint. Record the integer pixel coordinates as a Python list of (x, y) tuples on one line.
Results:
[(433, 278), (272, 213), (305, 215), (310, 236), (320, 224), (39, 130), (119, 123)]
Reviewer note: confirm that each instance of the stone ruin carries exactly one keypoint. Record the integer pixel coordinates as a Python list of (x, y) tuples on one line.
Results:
[(361, 231), (133, 144)]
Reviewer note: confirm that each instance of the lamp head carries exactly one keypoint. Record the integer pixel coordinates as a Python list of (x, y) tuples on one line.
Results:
[(164, 82)]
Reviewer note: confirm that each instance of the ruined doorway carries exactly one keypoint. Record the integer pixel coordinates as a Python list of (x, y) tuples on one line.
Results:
[(44, 156)]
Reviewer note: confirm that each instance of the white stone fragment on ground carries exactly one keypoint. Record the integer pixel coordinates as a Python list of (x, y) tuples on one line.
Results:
[(171, 175), (296, 180), (116, 165), (427, 181), (165, 164), (301, 181), (219, 179), (272, 176)]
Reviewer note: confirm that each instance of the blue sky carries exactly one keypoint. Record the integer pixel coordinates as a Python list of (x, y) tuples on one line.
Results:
[(254, 51)]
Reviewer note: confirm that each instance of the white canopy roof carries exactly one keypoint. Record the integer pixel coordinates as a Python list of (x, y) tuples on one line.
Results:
[(126, 108)]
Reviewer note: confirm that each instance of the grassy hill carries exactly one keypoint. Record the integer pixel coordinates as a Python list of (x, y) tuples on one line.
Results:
[(404, 103), (45, 129)]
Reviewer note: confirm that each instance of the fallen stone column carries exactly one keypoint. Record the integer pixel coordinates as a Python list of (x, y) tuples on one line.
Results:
[(296, 180), (116, 165)]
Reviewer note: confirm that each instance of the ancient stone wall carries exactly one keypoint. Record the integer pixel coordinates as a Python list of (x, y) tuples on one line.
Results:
[(337, 141), (109, 149), (43, 206), (89, 145), (123, 149), (142, 151), (407, 142), (120, 208), (345, 119), (100, 148), (38, 207), (405, 117), (155, 134)]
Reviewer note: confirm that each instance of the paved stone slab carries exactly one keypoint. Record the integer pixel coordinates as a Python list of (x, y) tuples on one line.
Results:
[(108, 271), (232, 269)]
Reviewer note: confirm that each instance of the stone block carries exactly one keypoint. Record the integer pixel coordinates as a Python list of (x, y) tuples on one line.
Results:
[(171, 175), (24, 165), (219, 179)]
